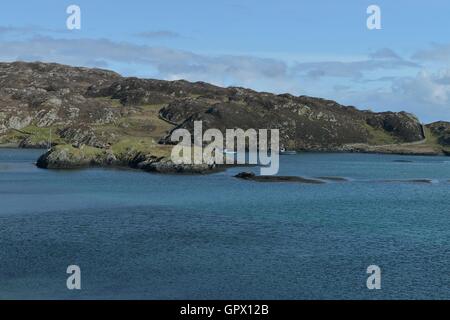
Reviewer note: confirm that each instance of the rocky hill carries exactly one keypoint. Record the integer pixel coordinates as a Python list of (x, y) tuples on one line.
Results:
[(97, 117)]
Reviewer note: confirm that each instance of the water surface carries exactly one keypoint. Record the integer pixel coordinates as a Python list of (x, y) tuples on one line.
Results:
[(139, 235)]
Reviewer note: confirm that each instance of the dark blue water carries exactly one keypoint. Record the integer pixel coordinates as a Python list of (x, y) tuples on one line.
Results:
[(141, 235)]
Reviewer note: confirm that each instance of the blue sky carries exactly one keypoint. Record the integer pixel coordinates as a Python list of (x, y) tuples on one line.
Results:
[(319, 48)]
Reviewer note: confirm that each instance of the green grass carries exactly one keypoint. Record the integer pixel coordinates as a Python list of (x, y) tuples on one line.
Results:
[(378, 136), (144, 123), (432, 140), (137, 144), (41, 134), (154, 107), (112, 102), (34, 133), (132, 143), (83, 151)]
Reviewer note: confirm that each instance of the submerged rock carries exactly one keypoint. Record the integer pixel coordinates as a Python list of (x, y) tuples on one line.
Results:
[(251, 176), (408, 180), (341, 179)]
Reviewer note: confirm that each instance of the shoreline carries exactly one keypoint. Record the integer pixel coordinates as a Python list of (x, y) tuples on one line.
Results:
[(351, 149), (165, 166)]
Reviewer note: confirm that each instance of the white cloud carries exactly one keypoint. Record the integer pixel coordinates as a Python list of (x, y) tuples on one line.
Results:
[(429, 88), (426, 95)]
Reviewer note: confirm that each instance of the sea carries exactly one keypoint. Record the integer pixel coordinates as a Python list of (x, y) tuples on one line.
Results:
[(139, 235)]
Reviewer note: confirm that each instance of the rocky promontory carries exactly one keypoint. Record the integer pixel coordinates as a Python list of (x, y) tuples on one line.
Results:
[(94, 117), (70, 157)]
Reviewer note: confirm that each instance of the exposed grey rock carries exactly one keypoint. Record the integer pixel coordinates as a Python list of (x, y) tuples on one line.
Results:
[(84, 135)]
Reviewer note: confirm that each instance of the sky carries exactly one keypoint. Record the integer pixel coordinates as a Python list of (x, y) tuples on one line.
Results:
[(318, 48)]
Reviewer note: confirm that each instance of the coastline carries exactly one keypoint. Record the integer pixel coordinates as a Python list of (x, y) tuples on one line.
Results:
[(163, 165)]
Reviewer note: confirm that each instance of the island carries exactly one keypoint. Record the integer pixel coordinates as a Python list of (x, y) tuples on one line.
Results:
[(93, 117)]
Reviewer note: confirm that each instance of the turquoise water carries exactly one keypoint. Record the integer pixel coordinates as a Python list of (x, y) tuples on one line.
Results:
[(138, 235)]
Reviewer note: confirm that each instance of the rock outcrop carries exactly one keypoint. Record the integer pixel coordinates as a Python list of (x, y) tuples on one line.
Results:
[(71, 157)]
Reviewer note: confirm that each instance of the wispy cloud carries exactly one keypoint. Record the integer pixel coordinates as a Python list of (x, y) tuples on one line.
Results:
[(436, 53), (28, 30), (384, 59), (159, 34)]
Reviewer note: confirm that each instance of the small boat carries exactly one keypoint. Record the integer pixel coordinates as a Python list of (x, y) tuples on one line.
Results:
[(285, 152), (226, 151)]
